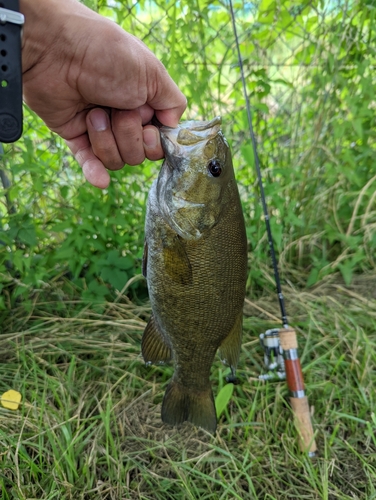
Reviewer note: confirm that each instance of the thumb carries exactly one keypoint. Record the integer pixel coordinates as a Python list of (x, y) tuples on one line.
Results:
[(165, 97)]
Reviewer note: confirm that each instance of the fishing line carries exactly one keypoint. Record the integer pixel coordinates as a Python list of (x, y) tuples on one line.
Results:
[(280, 345), (281, 299)]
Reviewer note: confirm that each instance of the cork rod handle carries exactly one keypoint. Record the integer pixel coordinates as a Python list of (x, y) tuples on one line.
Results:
[(303, 423)]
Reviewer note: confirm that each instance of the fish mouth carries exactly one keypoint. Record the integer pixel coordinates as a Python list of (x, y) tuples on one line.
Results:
[(188, 133)]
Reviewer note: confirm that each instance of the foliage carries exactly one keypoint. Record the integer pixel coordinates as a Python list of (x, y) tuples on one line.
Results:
[(56, 225), (309, 71)]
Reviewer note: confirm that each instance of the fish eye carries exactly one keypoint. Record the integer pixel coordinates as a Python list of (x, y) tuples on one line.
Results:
[(215, 168)]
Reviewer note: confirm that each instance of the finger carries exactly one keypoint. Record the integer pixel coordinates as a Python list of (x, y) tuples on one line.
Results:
[(127, 129), (152, 143), (92, 168), (102, 139)]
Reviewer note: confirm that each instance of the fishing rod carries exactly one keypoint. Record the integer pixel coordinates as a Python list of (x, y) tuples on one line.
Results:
[(280, 344)]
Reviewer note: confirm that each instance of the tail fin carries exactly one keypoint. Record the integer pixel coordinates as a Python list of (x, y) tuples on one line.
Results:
[(181, 404)]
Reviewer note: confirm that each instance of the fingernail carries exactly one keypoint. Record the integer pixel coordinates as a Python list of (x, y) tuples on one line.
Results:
[(99, 120), (150, 137)]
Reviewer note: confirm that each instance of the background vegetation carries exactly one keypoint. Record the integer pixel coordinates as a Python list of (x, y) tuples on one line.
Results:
[(73, 306)]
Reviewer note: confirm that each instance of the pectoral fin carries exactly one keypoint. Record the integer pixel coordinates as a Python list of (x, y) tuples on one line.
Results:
[(153, 346), (229, 350), (176, 262)]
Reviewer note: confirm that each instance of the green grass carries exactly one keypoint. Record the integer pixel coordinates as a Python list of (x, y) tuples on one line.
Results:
[(89, 425)]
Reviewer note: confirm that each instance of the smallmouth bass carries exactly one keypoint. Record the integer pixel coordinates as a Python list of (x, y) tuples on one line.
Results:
[(195, 263)]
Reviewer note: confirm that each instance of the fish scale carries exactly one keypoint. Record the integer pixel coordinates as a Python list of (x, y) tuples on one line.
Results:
[(195, 263)]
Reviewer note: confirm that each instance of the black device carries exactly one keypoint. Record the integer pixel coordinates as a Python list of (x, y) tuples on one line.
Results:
[(11, 22)]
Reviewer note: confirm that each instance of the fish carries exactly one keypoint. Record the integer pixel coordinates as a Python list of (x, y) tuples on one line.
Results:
[(195, 265)]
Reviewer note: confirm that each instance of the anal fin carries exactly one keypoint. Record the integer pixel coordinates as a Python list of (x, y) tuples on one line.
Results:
[(229, 350), (153, 346)]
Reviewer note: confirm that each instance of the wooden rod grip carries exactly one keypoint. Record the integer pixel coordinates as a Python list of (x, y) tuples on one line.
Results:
[(294, 375)]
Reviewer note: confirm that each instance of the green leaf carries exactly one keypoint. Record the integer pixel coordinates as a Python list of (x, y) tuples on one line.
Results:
[(283, 82), (313, 277), (347, 270), (358, 127), (63, 253), (277, 232), (92, 4), (61, 226), (292, 219), (37, 184), (266, 5), (116, 278), (64, 192), (117, 261), (223, 398), (95, 291), (27, 235), (5, 237), (260, 106), (248, 154)]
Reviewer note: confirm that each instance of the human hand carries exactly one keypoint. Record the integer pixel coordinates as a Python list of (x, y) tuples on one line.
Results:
[(95, 85)]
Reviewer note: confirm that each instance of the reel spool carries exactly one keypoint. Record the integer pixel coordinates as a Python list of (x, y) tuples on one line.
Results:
[(273, 355)]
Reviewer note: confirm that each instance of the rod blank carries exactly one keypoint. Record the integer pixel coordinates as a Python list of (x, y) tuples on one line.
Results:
[(287, 336)]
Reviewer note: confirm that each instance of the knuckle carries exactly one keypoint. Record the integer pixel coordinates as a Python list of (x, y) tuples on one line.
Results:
[(82, 155)]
